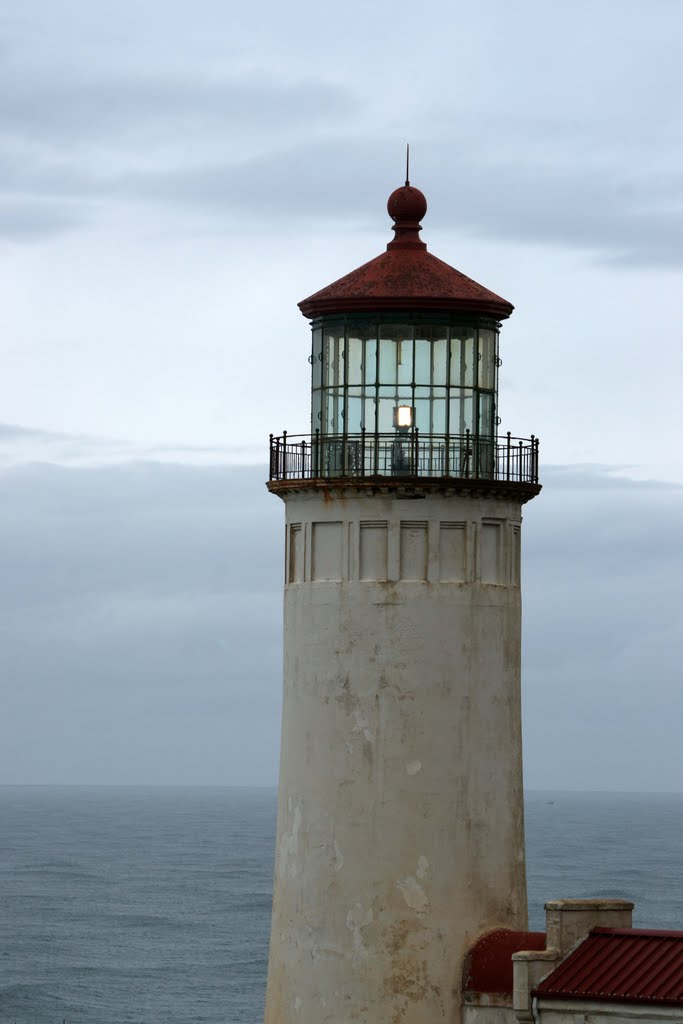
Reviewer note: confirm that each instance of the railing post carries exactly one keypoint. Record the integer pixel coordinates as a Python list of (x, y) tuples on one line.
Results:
[(521, 462), (416, 452), (467, 453), (446, 469), (303, 460), (271, 475), (315, 468), (284, 454), (534, 459), (507, 470), (362, 451)]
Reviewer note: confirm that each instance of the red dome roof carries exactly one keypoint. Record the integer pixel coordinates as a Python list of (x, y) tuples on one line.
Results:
[(406, 277)]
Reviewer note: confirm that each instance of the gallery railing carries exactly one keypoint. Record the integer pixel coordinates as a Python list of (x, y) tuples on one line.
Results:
[(464, 456)]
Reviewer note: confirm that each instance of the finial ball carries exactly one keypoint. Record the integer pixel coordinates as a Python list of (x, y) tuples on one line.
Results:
[(406, 204)]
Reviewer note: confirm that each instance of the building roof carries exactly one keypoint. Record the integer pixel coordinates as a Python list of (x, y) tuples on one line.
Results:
[(406, 277), (488, 964), (621, 965)]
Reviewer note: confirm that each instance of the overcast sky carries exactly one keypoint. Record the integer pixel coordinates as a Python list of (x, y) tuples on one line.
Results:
[(174, 177)]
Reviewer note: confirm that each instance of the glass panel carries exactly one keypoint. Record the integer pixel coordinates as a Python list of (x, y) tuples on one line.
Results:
[(328, 412), (422, 361), (439, 416), (317, 358), (333, 362), (486, 410), (370, 415), (385, 419), (487, 359), (355, 412), (316, 402), (439, 362), (422, 406), (388, 393), (462, 356), (370, 365), (333, 412), (354, 361), (405, 359), (461, 410), (387, 361)]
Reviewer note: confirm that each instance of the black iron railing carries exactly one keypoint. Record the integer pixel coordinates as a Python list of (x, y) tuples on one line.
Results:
[(463, 456)]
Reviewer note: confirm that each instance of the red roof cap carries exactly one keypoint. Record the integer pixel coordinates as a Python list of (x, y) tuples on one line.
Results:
[(406, 277), (629, 965), (488, 964)]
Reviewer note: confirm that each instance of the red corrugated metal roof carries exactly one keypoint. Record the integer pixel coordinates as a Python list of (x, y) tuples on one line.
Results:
[(488, 964), (406, 276), (631, 965)]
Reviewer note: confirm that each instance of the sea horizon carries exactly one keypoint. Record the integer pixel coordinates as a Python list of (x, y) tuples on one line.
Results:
[(150, 904)]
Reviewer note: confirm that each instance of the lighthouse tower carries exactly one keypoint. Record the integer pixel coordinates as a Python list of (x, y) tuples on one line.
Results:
[(400, 834)]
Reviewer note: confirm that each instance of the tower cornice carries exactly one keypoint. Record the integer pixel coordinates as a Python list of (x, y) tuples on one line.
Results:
[(417, 487)]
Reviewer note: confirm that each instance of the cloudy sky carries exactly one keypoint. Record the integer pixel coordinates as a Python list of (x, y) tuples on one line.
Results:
[(174, 177)]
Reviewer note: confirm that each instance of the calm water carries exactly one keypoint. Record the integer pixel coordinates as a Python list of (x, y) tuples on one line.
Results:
[(152, 905)]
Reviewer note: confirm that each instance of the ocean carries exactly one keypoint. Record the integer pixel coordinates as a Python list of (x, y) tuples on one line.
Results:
[(152, 906)]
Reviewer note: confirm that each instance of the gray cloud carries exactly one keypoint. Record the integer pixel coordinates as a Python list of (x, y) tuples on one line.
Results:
[(603, 598), (35, 218), (136, 630), (119, 111), (593, 165), (22, 445), (140, 611), (624, 217)]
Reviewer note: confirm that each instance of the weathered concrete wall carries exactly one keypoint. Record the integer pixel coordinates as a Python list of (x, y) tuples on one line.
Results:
[(400, 822), (485, 1014)]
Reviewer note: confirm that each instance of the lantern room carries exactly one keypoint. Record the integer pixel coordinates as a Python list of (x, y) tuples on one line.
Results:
[(404, 370), (374, 373)]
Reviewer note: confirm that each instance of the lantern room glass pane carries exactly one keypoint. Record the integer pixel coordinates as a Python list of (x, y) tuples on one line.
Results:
[(317, 359), (333, 412), (404, 397), (461, 411), (439, 356), (439, 416), (487, 359), (370, 361), (405, 360), (422, 415), (316, 418), (354, 420), (385, 415), (370, 421), (354, 361), (462, 356), (486, 410), (333, 359), (362, 343), (387, 361), (423, 361)]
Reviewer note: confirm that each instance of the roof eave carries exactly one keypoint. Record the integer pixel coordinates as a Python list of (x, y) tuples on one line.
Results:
[(313, 308)]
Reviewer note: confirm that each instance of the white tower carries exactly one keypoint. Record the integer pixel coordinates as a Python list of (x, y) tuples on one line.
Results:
[(400, 835)]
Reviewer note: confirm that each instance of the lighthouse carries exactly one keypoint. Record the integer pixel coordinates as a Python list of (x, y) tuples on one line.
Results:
[(400, 831)]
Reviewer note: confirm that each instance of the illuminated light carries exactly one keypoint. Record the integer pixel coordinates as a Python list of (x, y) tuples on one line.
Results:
[(403, 417)]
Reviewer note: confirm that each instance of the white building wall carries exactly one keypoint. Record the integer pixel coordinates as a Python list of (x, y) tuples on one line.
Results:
[(575, 1011), (400, 821)]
